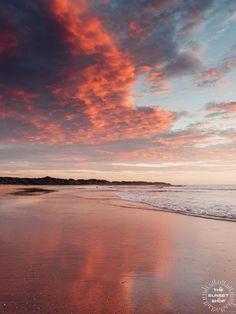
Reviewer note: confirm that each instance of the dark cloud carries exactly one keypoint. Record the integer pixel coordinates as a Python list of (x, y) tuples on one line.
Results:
[(149, 30), (185, 63), (67, 68), (65, 79)]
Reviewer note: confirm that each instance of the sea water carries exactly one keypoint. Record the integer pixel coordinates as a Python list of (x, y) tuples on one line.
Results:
[(212, 201)]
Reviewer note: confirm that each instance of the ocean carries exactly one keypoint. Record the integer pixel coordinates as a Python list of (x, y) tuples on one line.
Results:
[(211, 201)]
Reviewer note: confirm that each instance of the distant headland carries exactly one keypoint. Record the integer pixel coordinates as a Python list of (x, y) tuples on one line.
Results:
[(57, 181)]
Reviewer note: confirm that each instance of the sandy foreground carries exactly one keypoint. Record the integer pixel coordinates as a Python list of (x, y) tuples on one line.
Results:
[(86, 251)]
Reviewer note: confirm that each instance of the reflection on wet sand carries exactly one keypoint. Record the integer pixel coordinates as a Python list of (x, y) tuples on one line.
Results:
[(32, 191), (79, 251)]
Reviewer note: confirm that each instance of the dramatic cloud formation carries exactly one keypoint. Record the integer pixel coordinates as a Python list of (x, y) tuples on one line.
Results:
[(70, 76), (67, 80)]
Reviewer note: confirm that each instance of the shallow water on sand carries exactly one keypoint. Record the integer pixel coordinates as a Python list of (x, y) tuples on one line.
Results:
[(213, 201), (85, 251)]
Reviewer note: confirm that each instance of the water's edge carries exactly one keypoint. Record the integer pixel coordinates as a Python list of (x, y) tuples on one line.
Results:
[(211, 202)]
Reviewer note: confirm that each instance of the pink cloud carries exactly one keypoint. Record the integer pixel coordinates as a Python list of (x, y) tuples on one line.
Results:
[(102, 108), (215, 74), (223, 107)]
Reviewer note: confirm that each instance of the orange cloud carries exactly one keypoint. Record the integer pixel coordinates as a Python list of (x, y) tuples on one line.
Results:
[(159, 81), (93, 102), (211, 73)]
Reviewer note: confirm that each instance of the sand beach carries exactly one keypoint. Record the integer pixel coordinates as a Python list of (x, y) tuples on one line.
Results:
[(84, 250)]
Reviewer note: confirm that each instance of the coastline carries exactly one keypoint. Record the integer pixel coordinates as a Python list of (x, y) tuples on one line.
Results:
[(85, 250), (166, 210)]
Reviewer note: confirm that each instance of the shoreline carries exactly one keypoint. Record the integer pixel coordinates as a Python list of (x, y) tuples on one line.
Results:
[(94, 188), (80, 251), (166, 210)]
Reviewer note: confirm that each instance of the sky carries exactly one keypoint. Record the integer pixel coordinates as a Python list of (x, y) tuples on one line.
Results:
[(119, 90)]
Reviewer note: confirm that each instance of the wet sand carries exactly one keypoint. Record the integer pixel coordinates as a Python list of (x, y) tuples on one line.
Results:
[(86, 251), (32, 191)]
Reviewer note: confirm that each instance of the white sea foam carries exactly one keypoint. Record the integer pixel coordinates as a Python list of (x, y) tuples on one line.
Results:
[(214, 201)]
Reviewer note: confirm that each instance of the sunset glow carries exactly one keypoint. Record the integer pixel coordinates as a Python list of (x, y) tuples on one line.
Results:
[(120, 90)]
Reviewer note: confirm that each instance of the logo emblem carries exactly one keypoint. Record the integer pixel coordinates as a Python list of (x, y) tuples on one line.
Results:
[(218, 296)]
